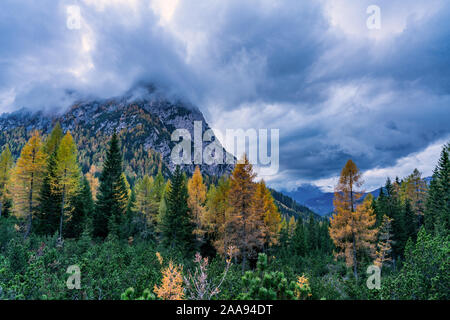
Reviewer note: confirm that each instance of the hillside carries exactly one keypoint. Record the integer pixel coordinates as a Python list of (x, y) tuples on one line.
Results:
[(144, 125), (290, 208)]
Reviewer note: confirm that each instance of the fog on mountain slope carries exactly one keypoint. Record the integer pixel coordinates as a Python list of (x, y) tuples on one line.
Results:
[(144, 121)]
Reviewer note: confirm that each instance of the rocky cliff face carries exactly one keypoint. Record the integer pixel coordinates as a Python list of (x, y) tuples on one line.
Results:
[(144, 123)]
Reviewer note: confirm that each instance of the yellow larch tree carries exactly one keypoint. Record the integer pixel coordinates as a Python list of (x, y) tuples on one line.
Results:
[(258, 211), (145, 203), (163, 204), (292, 224), (6, 165), (93, 181), (68, 176), (384, 246), (272, 218), (196, 202), (27, 179), (414, 189), (351, 226)]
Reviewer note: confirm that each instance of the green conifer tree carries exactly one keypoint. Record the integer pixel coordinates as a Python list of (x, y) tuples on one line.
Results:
[(48, 214), (81, 216), (437, 208), (411, 223), (299, 242), (112, 197), (176, 226), (47, 218), (393, 209), (311, 234)]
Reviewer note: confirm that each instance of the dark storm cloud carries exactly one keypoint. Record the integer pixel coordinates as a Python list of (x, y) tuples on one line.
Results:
[(115, 48), (334, 88)]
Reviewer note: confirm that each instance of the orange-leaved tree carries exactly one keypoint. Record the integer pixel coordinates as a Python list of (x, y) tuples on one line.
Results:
[(272, 218), (351, 226), (243, 227), (171, 287), (217, 207), (266, 213)]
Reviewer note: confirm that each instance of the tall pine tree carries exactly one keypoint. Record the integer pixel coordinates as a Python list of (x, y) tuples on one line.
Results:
[(112, 196), (176, 225), (47, 217), (393, 209), (437, 208), (83, 208), (299, 242)]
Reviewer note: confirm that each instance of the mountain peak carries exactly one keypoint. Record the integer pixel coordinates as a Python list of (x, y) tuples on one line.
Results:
[(144, 122)]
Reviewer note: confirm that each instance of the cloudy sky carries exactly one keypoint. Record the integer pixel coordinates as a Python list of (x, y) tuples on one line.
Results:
[(335, 88)]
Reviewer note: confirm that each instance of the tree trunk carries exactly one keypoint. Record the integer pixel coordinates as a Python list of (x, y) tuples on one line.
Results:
[(30, 207), (351, 199), (355, 266), (244, 237), (62, 213), (394, 262), (172, 244), (30, 220), (355, 263)]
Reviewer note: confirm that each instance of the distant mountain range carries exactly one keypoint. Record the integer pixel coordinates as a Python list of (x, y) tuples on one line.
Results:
[(319, 201), (290, 208), (313, 197)]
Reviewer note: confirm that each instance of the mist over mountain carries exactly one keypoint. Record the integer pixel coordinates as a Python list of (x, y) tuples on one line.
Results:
[(144, 119)]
